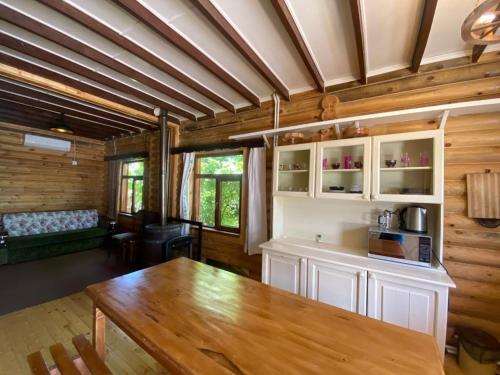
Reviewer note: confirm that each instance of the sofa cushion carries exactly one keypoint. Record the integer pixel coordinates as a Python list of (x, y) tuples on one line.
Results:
[(25, 248), (44, 239), (32, 223)]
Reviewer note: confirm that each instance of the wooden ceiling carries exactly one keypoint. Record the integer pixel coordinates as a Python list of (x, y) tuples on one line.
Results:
[(198, 58)]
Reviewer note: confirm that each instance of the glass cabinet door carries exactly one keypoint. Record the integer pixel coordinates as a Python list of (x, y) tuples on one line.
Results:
[(294, 170), (343, 169), (408, 167)]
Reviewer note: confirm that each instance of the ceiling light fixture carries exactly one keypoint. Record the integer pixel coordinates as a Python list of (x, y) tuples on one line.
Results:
[(481, 25), (61, 127)]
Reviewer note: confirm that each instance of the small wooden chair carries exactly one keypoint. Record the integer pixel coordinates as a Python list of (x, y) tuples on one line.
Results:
[(88, 362)]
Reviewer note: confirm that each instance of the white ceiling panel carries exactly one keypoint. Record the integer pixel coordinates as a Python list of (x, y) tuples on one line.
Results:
[(445, 41), (47, 45), (391, 28), (259, 24), (327, 27), (191, 24), (121, 21)]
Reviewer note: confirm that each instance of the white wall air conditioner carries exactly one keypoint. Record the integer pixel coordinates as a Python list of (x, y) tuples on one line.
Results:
[(46, 142)]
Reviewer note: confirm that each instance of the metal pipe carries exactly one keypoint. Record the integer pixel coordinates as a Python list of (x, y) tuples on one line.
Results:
[(164, 166)]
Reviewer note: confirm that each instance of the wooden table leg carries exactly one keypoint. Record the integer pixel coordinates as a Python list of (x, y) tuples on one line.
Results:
[(99, 333)]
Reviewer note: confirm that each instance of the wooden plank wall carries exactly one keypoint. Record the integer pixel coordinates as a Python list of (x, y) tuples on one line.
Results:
[(34, 179), (472, 145), (471, 251)]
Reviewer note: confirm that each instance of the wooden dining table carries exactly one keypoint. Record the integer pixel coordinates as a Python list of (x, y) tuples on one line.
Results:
[(197, 319)]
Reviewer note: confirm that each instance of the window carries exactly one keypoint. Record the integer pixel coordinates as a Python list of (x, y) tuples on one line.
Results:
[(218, 191), (132, 185)]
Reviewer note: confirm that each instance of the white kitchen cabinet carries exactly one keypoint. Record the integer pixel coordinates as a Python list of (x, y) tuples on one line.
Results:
[(417, 175), (337, 285), (410, 304), (343, 164), (284, 271), (294, 170)]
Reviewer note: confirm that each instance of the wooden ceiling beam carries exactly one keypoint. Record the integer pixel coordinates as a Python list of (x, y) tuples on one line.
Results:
[(300, 44), (27, 23), (143, 14), (35, 103), (61, 78), (423, 33), (40, 121), (357, 22), (74, 94), (233, 36), (40, 94), (122, 41), (73, 67)]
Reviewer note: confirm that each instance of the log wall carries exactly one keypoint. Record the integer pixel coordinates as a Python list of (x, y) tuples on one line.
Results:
[(472, 252), (472, 145), (33, 179)]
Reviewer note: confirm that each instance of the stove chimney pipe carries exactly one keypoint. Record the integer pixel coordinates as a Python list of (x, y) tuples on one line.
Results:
[(164, 165)]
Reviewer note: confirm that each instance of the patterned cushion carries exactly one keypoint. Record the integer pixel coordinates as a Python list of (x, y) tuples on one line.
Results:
[(28, 223)]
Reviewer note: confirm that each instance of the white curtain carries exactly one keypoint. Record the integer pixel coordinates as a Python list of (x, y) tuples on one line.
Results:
[(188, 164), (257, 212), (113, 188)]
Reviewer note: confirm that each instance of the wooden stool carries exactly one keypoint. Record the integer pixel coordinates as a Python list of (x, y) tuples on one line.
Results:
[(87, 363)]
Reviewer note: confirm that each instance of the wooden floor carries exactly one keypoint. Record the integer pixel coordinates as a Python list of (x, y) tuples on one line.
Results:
[(38, 327)]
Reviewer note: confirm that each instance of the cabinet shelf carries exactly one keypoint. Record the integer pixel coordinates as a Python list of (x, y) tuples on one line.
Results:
[(342, 170), (427, 168), (294, 171)]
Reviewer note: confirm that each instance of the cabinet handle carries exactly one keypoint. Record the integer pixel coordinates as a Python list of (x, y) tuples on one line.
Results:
[(366, 197), (371, 276), (374, 197)]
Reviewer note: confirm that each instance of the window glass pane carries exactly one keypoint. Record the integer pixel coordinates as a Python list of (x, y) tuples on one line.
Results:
[(207, 201), (230, 204), (126, 199), (135, 168), (138, 187), (231, 164)]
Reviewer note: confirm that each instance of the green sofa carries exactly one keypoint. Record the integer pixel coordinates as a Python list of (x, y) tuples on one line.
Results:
[(91, 233)]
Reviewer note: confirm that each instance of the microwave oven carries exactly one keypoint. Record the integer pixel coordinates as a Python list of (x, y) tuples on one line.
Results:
[(400, 246)]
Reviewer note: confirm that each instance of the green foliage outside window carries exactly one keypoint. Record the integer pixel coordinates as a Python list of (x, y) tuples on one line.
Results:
[(221, 173), (132, 187)]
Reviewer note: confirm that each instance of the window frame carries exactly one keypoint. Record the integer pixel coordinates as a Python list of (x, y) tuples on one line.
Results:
[(219, 180), (135, 178)]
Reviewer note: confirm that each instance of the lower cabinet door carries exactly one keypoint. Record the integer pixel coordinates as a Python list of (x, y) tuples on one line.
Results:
[(402, 302), (284, 271), (337, 285)]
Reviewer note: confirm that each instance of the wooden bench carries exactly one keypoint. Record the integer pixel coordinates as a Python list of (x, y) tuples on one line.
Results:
[(88, 362)]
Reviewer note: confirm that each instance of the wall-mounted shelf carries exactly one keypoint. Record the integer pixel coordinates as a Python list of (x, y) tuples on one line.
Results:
[(438, 112), (406, 169), (342, 170)]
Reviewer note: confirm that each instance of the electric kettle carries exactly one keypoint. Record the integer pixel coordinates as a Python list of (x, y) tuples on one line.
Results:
[(413, 219)]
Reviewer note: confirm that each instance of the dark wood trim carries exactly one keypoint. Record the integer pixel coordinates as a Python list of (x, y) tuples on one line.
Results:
[(142, 13), (55, 76), (36, 104), (231, 34), (45, 95), (423, 33), (294, 32), (27, 23), (357, 23), (49, 118), (40, 121), (477, 51), (108, 33), (218, 146), (132, 155)]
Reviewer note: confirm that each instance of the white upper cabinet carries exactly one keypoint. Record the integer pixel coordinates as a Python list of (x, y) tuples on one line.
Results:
[(337, 285), (294, 170), (408, 167), (343, 169)]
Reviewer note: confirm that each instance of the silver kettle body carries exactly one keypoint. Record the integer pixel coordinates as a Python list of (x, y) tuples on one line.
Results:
[(413, 219)]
